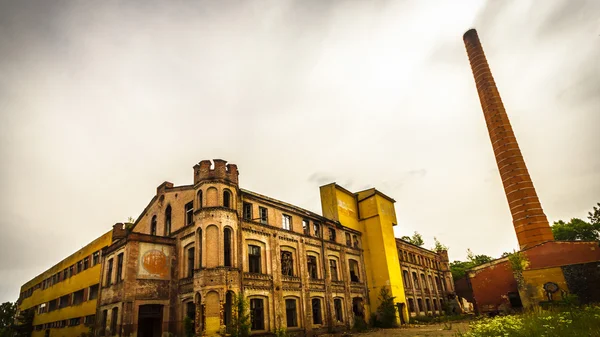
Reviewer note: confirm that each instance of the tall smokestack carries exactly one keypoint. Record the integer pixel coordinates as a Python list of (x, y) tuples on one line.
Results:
[(531, 224)]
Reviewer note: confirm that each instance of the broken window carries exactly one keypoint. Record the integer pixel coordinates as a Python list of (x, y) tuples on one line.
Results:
[(355, 241), (257, 316), (64, 301), (89, 320), (411, 305), (316, 311), (406, 279), (113, 321), (79, 267), (227, 247), (264, 215), (153, 226), (119, 276), (71, 271), (333, 269), (416, 281), (306, 227), (254, 259), (316, 229), (86, 263), (423, 282), (311, 262), (78, 297), (74, 321), (93, 292), (286, 221), (348, 240), (65, 273), (168, 221), (189, 213), (109, 272), (339, 313), (420, 304), (331, 234), (247, 208), (354, 272), (52, 305), (287, 264), (291, 315), (227, 199), (190, 261)]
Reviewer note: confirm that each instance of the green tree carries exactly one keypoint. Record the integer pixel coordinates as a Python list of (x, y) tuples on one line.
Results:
[(240, 318), (416, 239), (24, 326), (595, 215), (459, 268), (576, 230), (7, 318), (189, 327), (386, 312), (438, 245)]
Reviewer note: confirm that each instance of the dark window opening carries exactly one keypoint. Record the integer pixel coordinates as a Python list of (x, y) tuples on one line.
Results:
[(109, 272), (227, 247), (254, 259), (78, 297), (306, 227), (200, 202), (64, 301), (411, 305), (89, 320), (168, 221), (86, 263), (416, 281), (291, 313), (354, 272), (420, 304), (337, 305), (331, 234), (287, 264), (264, 215), (95, 258), (355, 241), (257, 318), (348, 240), (190, 261), (247, 211), (311, 262), (189, 213), (316, 311), (316, 230), (119, 276), (74, 321), (94, 292), (190, 310), (227, 199), (113, 321), (333, 270), (428, 304), (406, 279), (153, 226)]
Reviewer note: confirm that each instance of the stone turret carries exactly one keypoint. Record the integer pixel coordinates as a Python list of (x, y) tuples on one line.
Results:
[(220, 171), (529, 220)]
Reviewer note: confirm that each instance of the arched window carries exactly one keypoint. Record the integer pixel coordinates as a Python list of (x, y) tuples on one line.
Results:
[(228, 312), (227, 199), (227, 247), (199, 195), (199, 245), (406, 279), (168, 221), (287, 263), (153, 226)]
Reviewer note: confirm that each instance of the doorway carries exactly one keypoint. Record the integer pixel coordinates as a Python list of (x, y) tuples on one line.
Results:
[(150, 320)]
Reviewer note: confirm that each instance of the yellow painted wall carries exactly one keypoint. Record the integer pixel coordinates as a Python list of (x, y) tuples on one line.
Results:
[(84, 279), (533, 292), (374, 216)]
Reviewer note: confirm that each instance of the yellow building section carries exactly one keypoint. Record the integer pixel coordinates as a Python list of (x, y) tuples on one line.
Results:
[(373, 214), (532, 291), (38, 293)]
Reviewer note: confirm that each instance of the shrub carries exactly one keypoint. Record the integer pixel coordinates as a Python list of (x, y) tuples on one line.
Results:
[(359, 324), (189, 327), (240, 318), (386, 312)]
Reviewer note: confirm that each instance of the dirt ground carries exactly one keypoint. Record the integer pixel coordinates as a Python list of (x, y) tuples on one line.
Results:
[(420, 331)]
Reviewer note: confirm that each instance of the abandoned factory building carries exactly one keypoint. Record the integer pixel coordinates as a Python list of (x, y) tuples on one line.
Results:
[(196, 247)]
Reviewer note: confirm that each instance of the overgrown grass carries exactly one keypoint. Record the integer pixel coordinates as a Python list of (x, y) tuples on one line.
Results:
[(422, 319), (556, 322)]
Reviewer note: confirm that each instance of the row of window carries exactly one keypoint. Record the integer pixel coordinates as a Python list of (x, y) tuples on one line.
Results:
[(109, 271), (67, 300), (286, 223), (418, 259), (87, 320), (423, 284), (437, 305), (74, 269), (287, 265)]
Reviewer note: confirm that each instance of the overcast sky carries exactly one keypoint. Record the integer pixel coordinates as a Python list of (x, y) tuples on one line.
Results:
[(101, 101)]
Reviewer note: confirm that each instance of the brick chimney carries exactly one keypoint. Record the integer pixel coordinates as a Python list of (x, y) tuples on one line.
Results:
[(529, 220)]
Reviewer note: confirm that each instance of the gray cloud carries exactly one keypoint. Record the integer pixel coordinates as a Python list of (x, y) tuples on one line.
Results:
[(100, 102)]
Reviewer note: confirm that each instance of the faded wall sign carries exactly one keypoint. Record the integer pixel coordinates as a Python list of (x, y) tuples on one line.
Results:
[(154, 261)]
